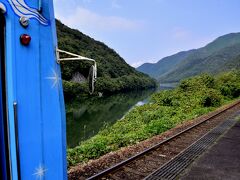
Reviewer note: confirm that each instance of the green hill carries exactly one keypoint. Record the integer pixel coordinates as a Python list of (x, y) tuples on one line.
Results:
[(162, 66), (215, 57), (114, 74), (232, 64), (213, 64)]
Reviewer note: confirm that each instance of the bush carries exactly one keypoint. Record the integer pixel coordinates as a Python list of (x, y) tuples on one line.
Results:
[(192, 98), (74, 90), (108, 86), (229, 84), (211, 98)]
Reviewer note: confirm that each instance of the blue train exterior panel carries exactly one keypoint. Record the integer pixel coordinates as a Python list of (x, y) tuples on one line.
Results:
[(33, 80)]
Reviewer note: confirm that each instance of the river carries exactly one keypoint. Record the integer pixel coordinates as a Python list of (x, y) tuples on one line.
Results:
[(85, 119)]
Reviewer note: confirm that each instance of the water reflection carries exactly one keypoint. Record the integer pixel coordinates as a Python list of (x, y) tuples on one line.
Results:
[(85, 119)]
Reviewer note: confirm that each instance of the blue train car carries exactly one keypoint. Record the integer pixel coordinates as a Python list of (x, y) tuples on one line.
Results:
[(32, 112)]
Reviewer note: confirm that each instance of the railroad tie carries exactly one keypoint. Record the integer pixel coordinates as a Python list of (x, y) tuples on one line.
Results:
[(173, 168)]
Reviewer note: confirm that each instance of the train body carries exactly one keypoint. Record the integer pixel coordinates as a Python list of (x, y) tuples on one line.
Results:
[(32, 112)]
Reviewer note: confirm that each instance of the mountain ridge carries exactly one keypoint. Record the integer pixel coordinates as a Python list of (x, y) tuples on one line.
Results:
[(187, 67), (165, 62)]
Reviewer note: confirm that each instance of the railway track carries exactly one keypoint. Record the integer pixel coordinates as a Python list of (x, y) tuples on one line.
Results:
[(149, 160)]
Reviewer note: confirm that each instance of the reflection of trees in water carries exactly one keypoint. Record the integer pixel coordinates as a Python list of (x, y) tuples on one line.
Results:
[(85, 119)]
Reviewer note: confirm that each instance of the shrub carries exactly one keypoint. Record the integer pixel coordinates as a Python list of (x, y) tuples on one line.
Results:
[(211, 98), (192, 98)]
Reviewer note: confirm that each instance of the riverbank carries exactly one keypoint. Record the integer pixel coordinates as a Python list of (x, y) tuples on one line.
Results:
[(87, 117), (192, 98)]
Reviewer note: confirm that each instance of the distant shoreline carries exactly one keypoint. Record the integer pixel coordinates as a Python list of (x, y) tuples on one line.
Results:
[(168, 85)]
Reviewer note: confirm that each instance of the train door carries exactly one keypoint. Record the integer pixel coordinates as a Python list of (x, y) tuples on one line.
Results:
[(4, 163)]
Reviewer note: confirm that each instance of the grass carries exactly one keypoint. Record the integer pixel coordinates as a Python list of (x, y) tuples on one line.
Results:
[(192, 98)]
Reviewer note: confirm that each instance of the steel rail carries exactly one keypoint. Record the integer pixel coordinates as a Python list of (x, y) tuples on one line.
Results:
[(131, 159), (173, 168)]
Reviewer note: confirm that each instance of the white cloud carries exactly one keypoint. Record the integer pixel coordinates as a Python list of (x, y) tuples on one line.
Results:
[(180, 33), (115, 4), (83, 18), (86, 1), (139, 63)]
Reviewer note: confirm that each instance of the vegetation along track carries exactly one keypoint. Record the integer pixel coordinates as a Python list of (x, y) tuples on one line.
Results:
[(146, 162)]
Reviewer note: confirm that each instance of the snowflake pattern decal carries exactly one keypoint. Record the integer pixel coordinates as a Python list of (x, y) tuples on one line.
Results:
[(40, 172)]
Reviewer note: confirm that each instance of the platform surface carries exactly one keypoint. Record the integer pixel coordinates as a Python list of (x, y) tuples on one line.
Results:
[(220, 162)]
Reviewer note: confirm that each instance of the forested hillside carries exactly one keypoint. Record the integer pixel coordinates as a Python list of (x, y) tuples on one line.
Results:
[(215, 63), (218, 56), (232, 64), (163, 66), (114, 74)]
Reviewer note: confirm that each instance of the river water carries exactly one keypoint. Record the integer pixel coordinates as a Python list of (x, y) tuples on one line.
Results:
[(87, 118)]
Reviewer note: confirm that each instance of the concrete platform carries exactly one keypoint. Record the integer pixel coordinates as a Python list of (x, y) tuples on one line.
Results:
[(220, 162)]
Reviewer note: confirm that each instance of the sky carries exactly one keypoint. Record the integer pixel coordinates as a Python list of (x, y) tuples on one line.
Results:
[(148, 30)]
